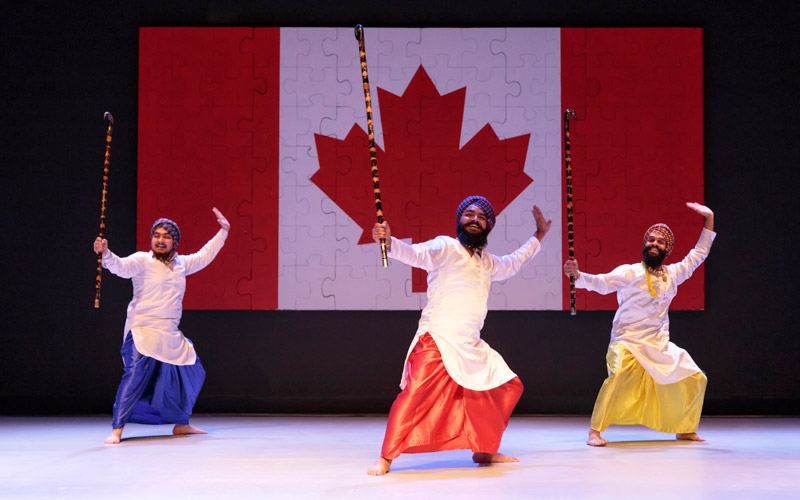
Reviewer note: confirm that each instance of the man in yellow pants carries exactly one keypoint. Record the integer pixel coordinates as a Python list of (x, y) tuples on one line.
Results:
[(651, 381)]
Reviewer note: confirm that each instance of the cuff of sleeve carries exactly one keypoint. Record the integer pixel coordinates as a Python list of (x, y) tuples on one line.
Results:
[(707, 237)]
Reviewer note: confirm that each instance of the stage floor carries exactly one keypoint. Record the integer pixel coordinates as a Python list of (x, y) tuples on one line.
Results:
[(309, 457)]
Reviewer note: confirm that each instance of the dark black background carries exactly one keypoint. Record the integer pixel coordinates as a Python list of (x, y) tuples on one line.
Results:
[(64, 64)]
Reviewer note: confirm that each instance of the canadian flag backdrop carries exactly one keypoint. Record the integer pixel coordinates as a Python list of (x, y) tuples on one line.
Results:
[(269, 125)]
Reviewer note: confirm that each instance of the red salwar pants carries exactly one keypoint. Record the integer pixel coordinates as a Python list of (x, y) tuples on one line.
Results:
[(434, 413)]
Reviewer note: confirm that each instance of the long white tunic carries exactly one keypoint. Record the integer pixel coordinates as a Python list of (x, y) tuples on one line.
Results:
[(155, 310), (641, 323), (458, 293)]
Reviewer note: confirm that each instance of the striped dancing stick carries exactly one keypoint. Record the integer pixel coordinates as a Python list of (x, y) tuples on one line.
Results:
[(373, 152), (110, 121), (570, 226)]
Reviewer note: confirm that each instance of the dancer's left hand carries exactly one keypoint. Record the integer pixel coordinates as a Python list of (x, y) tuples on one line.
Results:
[(542, 225), (223, 222), (706, 212)]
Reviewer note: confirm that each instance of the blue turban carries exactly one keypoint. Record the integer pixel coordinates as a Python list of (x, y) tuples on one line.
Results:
[(478, 201), (171, 227)]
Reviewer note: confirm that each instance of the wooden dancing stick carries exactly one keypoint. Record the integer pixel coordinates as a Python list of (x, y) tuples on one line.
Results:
[(373, 152), (570, 228), (110, 121)]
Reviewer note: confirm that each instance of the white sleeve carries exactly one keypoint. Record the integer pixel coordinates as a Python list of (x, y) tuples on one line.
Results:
[(509, 265), (684, 269), (205, 255), (427, 255), (124, 267), (606, 283)]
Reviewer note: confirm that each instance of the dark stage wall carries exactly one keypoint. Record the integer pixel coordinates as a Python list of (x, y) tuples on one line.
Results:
[(63, 66)]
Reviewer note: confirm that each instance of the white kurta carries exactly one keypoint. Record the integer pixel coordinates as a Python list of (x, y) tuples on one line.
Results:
[(641, 323), (155, 310), (458, 293)]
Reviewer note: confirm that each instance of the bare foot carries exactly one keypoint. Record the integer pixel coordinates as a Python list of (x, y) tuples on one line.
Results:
[(688, 436), (488, 458), (181, 429), (115, 437), (595, 439), (380, 467)]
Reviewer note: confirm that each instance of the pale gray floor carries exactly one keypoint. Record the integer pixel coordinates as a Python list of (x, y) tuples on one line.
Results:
[(308, 457)]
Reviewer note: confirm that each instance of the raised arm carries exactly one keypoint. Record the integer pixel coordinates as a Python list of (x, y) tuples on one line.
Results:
[(223, 222), (202, 258), (542, 224), (508, 265), (705, 212), (685, 268)]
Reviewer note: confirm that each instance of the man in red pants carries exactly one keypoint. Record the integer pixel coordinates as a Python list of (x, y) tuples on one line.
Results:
[(458, 393)]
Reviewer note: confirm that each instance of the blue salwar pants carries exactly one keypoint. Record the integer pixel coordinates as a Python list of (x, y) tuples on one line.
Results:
[(153, 392)]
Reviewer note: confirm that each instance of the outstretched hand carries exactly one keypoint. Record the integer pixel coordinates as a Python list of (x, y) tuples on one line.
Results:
[(542, 225), (101, 245), (571, 269), (705, 212), (382, 231), (223, 222)]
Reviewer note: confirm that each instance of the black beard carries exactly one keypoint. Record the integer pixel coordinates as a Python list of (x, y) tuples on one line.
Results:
[(653, 261), (166, 258), (472, 241)]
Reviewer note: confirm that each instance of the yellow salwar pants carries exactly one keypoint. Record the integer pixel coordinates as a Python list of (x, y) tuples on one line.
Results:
[(630, 396)]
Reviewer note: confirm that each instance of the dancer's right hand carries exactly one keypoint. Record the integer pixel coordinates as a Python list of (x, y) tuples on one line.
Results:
[(101, 245), (382, 230)]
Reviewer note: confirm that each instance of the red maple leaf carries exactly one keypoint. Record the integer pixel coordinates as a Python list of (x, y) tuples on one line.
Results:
[(424, 174)]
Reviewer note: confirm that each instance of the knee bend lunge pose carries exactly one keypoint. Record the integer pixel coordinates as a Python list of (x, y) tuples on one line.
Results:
[(457, 392), (651, 381), (163, 375)]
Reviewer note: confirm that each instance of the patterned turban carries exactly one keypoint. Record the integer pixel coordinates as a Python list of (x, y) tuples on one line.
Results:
[(478, 201), (665, 232), (171, 227)]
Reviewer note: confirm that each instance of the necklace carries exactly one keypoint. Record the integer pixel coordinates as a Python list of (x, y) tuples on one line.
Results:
[(661, 272)]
